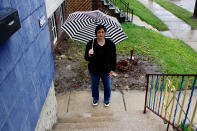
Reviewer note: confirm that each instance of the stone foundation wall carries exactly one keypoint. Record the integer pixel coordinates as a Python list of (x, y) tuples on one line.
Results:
[(48, 115)]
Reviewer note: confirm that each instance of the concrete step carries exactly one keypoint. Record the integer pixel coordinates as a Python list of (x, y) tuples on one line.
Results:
[(97, 125), (112, 7), (117, 11), (87, 120), (93, 129), (111, 126), (109, 121), (95, 117), (74, 117), (105, 3)]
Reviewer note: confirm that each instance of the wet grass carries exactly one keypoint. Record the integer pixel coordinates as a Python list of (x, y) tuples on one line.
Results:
[(186, 127), (146, 15), (75, 49), (76, 52), (173, 55), (179, 12)]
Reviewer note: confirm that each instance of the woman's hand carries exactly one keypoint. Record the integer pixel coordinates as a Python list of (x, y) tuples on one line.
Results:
[(110, 73), (91, 52)]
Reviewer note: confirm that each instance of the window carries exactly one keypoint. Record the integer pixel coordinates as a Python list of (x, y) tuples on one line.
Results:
[(61, 15), (53, 28)]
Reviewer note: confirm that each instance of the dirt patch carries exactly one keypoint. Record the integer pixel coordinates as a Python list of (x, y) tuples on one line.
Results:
[(71, 70)]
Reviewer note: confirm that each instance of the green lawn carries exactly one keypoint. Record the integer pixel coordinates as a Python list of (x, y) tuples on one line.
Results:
[(179, 12), (145, 14), (173, 55)]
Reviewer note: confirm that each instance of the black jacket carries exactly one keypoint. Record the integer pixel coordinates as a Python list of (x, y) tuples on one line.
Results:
[(101, 63)]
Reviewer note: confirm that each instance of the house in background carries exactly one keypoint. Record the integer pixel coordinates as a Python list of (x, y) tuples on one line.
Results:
[(58, 11), (56, 15)]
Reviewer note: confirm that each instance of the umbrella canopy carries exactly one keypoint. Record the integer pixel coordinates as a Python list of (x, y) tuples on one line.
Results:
[(81, 26)]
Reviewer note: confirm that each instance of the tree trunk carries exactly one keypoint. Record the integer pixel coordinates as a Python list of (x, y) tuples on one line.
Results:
[(195, 10)]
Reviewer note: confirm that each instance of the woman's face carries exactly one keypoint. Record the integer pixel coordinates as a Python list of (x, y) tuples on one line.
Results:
[(101, 33)]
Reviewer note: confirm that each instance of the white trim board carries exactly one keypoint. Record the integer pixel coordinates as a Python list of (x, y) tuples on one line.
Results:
[(52, 6)]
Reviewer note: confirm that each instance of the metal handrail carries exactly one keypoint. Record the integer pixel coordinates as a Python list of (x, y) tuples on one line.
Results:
[(128, 11), (159, 89)]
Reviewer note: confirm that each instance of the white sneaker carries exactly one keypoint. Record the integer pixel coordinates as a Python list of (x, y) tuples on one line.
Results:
[(94, 103), (106, 104)]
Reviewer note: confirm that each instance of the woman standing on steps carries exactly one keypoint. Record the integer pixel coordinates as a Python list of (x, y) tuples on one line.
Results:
[(101, 54)]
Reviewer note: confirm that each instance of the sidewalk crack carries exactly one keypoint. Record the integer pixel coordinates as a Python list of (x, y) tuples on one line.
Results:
[(68, 100), (125, 107)]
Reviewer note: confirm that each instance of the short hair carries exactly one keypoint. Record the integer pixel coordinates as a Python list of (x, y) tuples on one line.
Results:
[(98, 27)]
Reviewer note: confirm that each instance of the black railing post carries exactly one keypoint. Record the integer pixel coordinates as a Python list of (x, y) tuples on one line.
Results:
[(147, 83), (125, 6), (167, 127), (128, 11)]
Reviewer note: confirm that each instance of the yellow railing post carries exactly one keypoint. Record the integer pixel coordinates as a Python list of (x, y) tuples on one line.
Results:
[(194, 113), (166, 86), (153, 92), (148, 91), (174, 96), (170, 86)]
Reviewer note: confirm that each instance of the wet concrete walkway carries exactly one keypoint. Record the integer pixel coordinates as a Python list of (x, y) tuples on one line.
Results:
[(177, 28), (139, 22), (186, 4), (76, 113)]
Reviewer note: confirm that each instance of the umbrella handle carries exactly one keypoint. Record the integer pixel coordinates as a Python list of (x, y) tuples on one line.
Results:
[(92, 43)]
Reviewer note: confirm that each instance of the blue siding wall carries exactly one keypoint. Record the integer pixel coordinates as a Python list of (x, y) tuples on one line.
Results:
[(26, 68)]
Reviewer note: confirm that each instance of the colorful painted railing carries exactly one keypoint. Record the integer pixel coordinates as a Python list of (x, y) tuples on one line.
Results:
[(171, 97)]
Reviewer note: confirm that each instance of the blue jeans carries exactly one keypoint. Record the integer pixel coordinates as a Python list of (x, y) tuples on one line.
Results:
[(95, 80)]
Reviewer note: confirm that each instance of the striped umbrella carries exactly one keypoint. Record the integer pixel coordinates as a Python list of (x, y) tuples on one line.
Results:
[(81, 26)]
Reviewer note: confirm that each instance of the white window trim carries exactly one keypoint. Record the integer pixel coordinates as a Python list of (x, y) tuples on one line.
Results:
[(53, 28), (61, 15)]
